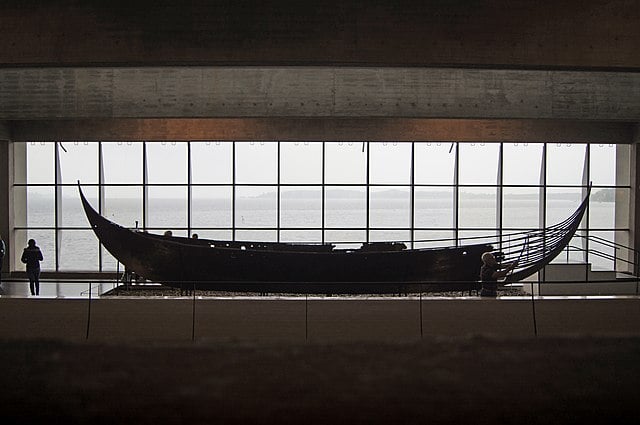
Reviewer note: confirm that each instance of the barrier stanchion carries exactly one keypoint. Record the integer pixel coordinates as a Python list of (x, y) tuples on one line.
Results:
[(533, 306), (88, 313), (421, 327), (193, 318)]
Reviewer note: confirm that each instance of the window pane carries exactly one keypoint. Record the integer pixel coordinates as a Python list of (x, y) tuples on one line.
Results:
[(257, 162), (390, 163), (434, 207), (521, 208), (623, 163), (391, 236), (522, 163), (122, 162), (167, 207), (45, 239), (40, 206), (434, 163), (256, 206), (311, 236), (565, 163), (301, 206), (346, 163), (602, 253), (78, 250), (561, 203), (604, 167), (608, 208), (71, 211), (79, 162), (123, 205), (211, 162), (257, 235), (474, 237), (167, 162), (345, 239), (346, 206), (575, 250), (216, 235), (390, 207), (301, 162), (479, 163), (40, 163), (211, 206), (434, 238), (109, 263), (478, 207)]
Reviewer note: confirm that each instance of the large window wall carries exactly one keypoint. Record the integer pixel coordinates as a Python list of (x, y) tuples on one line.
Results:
[(337, 192)]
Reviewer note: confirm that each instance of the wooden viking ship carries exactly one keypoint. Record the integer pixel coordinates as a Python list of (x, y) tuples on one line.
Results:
[(374, 268)]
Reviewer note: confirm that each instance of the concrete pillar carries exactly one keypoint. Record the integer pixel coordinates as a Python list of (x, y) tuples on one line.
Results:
[(13, 208), (5, 204), (18, 197), (13, 204), (634, 211)]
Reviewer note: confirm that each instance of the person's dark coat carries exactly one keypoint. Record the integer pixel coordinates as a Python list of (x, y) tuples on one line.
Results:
[(32, 256)]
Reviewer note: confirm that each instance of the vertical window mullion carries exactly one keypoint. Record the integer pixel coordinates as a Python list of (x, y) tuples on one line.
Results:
[(57, 205), (543, 189), (189, 189), (278, 196), (323, 189), (368, 189), (586, 178), (456, 192), (500, 194), (543, 206), (145, 188), (233, 191), (413, 194), (100, 198)]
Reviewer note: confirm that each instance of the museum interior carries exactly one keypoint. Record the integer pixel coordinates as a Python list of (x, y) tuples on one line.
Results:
[(286, 204)]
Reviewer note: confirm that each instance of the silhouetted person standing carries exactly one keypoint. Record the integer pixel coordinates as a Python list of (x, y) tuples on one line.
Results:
[(2, 248), (32, 256)]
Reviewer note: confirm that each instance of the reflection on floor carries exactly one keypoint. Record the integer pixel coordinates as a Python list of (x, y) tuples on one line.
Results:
[(68, 288)]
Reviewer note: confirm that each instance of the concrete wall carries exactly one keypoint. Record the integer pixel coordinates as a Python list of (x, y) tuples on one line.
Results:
[(202, 92), (319, 320)]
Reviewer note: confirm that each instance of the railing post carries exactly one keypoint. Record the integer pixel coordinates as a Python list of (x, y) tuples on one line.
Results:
[(193, 318), (88, 313), (421, 326), (533, 307)]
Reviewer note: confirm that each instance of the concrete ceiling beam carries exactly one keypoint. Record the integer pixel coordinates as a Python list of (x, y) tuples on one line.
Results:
[(227, 92)]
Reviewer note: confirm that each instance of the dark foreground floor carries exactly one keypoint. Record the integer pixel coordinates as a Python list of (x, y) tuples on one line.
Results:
[(473, 380)]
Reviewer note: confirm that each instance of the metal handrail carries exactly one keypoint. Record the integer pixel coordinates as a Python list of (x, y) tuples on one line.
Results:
[(597, 253), (603, 241), (613, 244), (91, 288)]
